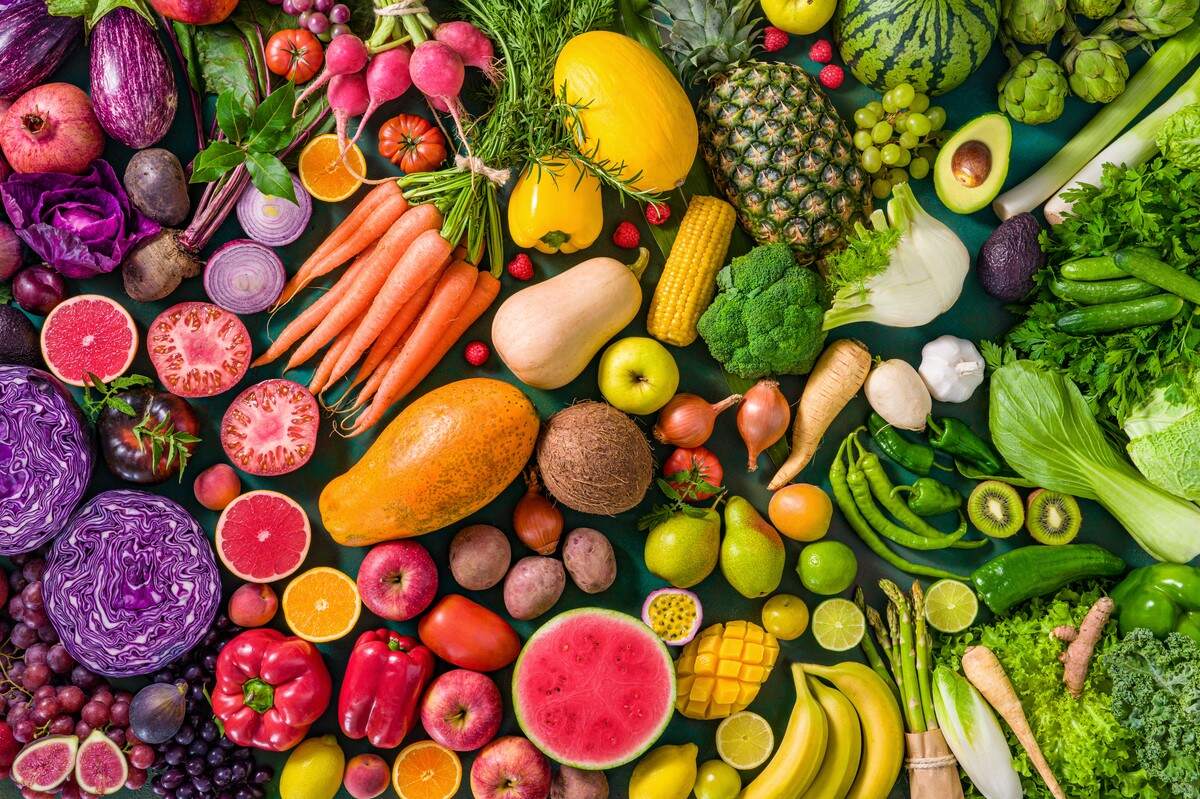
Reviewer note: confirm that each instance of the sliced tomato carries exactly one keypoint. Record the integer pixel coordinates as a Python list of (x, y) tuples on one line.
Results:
[(198, 349), (271, 428)]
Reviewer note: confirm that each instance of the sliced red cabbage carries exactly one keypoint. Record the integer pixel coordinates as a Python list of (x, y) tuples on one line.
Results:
[(131, 584), (244, 277), (273, 220)]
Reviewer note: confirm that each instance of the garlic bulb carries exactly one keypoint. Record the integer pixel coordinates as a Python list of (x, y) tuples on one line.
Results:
[(952, 368), (896, 392)]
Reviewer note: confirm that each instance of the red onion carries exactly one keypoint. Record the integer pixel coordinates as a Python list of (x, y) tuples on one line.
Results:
[(762, 419), (273, 220), (38, 289), (244, 277)]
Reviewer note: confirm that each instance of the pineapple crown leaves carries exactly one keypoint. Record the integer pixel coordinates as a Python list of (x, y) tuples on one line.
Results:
[(706, 37)]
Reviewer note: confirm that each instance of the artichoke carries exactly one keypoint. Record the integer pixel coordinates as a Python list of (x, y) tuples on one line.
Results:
[(1179, 137), (1155, 19), (1035, 21), (1096, 69), (1033, 90), (1093, 9)]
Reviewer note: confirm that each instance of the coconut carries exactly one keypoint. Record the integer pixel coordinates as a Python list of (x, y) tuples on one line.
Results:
[(594, 459)]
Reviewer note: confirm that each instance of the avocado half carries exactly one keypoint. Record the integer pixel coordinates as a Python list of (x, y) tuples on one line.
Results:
[(973, 163)]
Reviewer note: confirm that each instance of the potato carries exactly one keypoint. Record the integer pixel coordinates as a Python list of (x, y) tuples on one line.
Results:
[(590, 560), (533, 586), (573, 783), (479, 556), (156, 185)]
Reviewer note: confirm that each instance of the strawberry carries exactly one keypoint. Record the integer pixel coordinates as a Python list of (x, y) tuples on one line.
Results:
[(657, 213), (521, 267), (627, 236), (773, 39), (831, 76), (821, 51), (476, 353)]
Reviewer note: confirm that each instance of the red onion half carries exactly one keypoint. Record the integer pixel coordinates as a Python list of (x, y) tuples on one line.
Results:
[(272, 220), (244, 277)]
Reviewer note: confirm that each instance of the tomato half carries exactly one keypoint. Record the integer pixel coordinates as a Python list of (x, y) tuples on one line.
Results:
[(271, 428), (468, 635), (412, 143), (198, 349), (295, 54), (689, 466)]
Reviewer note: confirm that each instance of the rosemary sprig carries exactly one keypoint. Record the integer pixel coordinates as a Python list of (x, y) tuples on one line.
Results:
[(106, 395), (162, 435)]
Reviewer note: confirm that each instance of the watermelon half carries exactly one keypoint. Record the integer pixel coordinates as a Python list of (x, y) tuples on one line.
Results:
[(594, 688)]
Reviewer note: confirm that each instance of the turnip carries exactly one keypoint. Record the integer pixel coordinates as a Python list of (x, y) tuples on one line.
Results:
[(387, 79), (344, 55), (348, 97), (472, 46)]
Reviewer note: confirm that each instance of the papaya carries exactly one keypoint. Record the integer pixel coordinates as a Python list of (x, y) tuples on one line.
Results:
[(444, 457)]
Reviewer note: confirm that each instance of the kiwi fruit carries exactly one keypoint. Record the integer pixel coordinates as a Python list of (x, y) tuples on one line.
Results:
[(995, 508), (1052, 517)]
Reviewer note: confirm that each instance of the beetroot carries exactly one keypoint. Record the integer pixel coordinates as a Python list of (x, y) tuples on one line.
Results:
[(51, 128)]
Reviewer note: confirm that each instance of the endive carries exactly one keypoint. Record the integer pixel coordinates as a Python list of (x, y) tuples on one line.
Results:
[(974, 735)]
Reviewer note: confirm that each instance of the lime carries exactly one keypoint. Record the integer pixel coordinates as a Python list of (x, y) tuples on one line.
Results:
[(716, 779), (950, 606), (785, 616), (838, 625), (827, 567), (745, 740)]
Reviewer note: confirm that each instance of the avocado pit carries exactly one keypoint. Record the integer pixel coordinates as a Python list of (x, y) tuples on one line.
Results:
[(971, 163)]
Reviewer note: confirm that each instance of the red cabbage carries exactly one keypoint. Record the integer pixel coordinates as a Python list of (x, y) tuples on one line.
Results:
[(131, 583), (46, 458)]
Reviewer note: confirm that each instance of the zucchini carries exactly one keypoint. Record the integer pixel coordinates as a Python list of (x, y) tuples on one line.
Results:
[(1101, 291), (1111, 316), (1152, 270), (1101, 267), (1027, 572)]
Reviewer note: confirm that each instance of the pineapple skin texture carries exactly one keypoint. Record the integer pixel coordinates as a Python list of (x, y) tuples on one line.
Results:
[(721, 670)]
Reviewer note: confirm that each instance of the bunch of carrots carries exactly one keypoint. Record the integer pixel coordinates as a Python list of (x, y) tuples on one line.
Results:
[(405, 299)]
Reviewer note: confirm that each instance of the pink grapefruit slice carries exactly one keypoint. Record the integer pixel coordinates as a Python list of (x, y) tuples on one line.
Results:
[(263, 536), (88, 334)]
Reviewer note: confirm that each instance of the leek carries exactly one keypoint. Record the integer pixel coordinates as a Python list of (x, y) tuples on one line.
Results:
[(974, 736), (1168, 61)]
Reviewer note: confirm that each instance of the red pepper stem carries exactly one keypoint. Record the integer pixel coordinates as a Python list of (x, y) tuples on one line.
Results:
[(258, 695), (394, 644)]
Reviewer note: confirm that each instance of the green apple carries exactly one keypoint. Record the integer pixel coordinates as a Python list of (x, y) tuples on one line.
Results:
[(638, 375)]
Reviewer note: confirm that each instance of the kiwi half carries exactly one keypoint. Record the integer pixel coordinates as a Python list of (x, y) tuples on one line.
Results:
[(995, 508), (1052, 518)]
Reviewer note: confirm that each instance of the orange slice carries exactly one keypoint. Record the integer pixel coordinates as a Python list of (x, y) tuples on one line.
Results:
[(426, 770), (325, 174), (321, 605)]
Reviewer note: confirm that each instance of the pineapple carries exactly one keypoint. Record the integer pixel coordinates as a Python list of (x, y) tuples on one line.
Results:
[(772, 140)]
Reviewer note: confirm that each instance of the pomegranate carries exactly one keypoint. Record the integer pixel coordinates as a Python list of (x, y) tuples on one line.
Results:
[(195, 12), (51, 128), (5, 169)]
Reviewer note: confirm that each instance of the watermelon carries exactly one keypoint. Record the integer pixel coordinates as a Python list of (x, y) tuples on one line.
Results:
[(593, 688), (932, 44)]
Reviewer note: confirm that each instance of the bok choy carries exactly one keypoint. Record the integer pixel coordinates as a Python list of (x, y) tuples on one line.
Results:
[(974, 735)]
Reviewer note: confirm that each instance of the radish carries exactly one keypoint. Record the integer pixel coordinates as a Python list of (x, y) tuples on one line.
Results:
[(348, 97), (472, 46), (344, 55), (387, 79), (438, 71)]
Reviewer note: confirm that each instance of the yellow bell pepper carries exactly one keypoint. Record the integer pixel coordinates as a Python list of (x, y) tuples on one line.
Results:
[(555, 207)]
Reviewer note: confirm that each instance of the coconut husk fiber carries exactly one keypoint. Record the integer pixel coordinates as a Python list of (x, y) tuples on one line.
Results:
[(594, 459), (932, 769)]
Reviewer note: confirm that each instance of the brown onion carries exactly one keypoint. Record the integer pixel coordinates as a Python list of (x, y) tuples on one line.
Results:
[(762, 418), (687, 420), (537, 522)]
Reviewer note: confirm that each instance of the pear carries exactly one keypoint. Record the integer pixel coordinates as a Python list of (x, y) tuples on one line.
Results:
[(683, 549), (752, 553)]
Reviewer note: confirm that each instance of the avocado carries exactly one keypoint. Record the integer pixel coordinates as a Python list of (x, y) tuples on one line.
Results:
[(1010, 258), (18, 338), (972, 164)]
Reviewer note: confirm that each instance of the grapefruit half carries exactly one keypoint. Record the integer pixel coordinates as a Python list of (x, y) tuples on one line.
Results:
[(263, 536), (88, 334)]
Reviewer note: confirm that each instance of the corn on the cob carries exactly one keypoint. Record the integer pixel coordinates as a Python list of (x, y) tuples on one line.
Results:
[(689, 277)]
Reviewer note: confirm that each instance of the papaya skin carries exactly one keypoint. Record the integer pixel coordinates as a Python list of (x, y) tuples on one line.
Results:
[(444, 457)]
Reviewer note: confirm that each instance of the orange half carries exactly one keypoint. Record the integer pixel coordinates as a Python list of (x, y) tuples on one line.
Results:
[(325, 174), (321, 605), (426, 770)]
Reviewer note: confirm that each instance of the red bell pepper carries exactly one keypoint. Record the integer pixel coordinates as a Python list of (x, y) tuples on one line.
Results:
[(269, 689), (385, 677)]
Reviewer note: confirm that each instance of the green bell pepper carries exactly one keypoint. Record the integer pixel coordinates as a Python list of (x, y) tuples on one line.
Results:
[(928, 497), (1163, 598)]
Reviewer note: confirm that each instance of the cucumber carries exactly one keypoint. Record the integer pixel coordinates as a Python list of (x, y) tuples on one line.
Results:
[(1163, 275), (1120, 315), (1101, 291), (1027, 572), (1102, 267)]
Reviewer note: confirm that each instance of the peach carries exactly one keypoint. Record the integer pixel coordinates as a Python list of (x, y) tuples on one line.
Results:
[(217, 486), (367, 776), (252, 605)]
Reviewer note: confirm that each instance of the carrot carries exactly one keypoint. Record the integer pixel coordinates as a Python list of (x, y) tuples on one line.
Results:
[(311, 316), (321, 375), (420, 264), (394, 245), (838, 375), (448, 299), (400, 324), (983, 669), (375, 378)]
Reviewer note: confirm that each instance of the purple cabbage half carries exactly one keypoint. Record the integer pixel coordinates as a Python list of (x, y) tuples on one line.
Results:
[(46, 458), (33, 43), (133, 87), (131, 584)]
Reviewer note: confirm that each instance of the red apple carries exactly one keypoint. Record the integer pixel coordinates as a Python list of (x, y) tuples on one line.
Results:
[(195, 12), (462, 710), (397, 580), (510, 768), (367, 776)]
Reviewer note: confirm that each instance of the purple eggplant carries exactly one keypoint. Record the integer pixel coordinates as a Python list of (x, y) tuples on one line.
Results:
[(133, 87), (33, 44)]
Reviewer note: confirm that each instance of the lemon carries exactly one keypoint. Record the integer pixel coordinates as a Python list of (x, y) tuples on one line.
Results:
[(313, 770), (668, 772), (838, 625), (950, 606), (745, 740)]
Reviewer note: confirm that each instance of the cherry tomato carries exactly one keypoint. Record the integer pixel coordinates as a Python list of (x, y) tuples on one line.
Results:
[(295, 54), (688, 466), (468, 635), (412, 143)]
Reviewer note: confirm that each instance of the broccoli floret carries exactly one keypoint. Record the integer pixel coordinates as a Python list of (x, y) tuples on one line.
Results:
[(766, 317)]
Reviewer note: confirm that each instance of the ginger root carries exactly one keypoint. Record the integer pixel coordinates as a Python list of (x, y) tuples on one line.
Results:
[(1081, 644)]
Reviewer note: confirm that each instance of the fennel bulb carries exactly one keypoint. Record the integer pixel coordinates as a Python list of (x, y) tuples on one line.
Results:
[(974, 735), (1043, 427), (905, 271)]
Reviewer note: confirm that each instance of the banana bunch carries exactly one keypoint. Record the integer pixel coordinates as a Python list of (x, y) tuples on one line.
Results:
[(844, 739)]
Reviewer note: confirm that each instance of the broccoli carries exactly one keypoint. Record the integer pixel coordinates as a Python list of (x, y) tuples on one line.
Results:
[(766, 317)]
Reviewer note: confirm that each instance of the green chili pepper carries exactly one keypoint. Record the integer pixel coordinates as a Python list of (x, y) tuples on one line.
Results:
[(956, 438), (928, 497), (917, 458)]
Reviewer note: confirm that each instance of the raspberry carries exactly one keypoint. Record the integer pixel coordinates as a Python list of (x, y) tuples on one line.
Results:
[(831, 76), (657, 213), (774, 39), (476, 353), (627, 236), (521, 267), (821, 51)]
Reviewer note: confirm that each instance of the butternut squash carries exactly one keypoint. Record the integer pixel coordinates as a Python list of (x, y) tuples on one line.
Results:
[(444, 457), (547, 333)]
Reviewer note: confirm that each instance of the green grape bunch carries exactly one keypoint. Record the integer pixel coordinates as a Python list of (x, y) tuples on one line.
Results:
[(898, 137)]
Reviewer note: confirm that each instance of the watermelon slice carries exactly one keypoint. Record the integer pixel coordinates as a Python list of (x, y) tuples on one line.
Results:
[(263, 536), (594, 688), (88, 334)]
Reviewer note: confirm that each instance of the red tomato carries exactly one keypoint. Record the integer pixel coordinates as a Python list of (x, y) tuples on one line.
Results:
[(688, 466), (271, 428), (412, 143), (468, 635), (295, 54)]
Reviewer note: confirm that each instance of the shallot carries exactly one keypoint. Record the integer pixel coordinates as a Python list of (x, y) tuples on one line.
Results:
[(687, 420), (762, 419), (537, 521)]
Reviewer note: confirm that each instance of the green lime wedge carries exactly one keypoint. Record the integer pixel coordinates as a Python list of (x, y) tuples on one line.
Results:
[(950, 606), (838, 625)]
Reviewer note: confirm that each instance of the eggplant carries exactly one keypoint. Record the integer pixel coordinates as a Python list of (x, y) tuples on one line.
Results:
[(133, 88), (33, 43)]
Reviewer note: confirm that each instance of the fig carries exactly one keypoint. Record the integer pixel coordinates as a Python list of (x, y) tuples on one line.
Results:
[(46, 763), (100, 766), (156, 713)]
